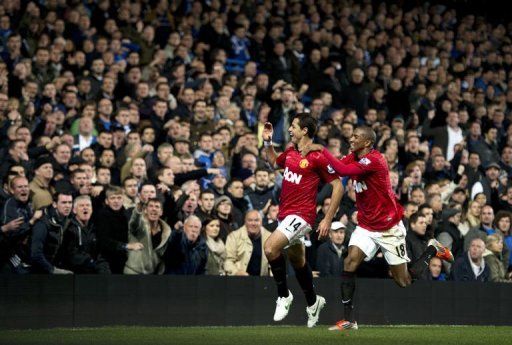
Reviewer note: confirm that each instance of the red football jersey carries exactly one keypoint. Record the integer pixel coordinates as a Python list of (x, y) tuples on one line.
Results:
[(300, 182), (377, 205)]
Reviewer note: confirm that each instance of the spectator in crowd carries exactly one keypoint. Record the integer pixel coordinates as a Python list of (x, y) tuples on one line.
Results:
[(435, 268), (40, 184), (416, 239), (244, 248), (117, 97), (187, 251), (147, 231), (445, 137), (263, 193), (205, 205), (48, 233), (470, 266), (330, 256), (223, 211), (471, 219), (450, 235), (17, 220), (80, 248), (216, 247), (502, 202), (240, 202), (112, 231), (485, 227), (494, 260), (503, 226)]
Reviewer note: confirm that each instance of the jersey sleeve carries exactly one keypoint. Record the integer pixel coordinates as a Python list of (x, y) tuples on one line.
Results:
[(324, 169), (281, 159), (343, 168)]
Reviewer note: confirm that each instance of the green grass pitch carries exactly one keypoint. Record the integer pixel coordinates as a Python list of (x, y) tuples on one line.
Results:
[(281, 335)]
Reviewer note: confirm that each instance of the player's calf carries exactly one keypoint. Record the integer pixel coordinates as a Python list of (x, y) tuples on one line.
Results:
[(400, 275)]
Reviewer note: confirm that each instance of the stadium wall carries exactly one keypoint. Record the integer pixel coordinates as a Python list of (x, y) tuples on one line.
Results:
[(38, 301)]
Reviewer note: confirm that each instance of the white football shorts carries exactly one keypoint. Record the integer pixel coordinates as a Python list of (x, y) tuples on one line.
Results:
[(391, 242), (294, 228)]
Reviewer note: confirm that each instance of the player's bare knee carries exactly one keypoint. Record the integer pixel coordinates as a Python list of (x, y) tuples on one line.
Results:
[(270, 252)]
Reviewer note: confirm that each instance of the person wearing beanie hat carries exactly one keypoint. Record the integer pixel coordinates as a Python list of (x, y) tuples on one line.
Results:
[(40, 184), (223, 198), (223, 209)]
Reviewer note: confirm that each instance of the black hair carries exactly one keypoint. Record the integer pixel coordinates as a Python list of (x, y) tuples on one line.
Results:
[(308, 122)]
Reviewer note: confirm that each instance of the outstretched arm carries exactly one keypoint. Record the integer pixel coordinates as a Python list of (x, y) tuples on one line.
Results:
[(341, 168)]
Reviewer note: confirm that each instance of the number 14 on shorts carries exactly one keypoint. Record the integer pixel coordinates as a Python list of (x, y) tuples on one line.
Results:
[(294, 225)]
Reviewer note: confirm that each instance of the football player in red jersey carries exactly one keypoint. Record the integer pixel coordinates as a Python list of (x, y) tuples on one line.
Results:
[(297, 212), (379, 219)]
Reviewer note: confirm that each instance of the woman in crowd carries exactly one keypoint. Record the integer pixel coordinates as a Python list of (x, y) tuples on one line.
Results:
[(216, 247)]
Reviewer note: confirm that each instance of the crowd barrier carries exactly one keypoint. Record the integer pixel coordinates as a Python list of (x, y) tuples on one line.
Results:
[(38, 301)]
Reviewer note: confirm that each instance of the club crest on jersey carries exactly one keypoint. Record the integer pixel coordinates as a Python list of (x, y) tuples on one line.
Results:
[(330, 170), (291, 177), (304, 163), (364, 161)]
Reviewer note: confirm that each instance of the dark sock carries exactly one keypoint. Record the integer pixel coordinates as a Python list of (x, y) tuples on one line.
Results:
[(305, 278), (278, 267), (418, 267), (348, 286)]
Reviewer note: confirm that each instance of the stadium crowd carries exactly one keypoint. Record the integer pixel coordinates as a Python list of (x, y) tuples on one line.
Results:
[(131, 130)]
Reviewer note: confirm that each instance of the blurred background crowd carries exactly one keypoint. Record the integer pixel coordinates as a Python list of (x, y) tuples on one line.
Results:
[(130, 130)]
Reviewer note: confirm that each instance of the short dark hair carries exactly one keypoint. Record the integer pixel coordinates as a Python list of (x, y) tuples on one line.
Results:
[(413, 219), (114, 190), (206, 191), (61, 192), (76, 172), (368, 133), (308, 122), (261, 169), (423, 207), (154, 200), (13, 143)]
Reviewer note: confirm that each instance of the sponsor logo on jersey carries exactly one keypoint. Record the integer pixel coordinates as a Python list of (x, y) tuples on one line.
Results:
[(291, 177), (365, 161), (304, 163), (330, 170)]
